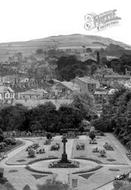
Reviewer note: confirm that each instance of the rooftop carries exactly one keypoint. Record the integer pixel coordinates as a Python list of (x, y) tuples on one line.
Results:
[(5, 88), (117, 76), (70, 85), (34, 91), (87, 79)]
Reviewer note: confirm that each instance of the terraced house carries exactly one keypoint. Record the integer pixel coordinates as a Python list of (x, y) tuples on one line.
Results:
[(7, 95)]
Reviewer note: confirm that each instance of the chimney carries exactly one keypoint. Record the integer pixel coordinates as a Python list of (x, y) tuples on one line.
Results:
[(98, 57)]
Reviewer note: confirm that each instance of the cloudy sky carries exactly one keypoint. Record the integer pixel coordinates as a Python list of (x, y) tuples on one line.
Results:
[(22, 20)]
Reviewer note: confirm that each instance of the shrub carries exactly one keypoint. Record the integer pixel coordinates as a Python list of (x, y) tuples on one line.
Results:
[(2, 145), (40, 151), (49, 136), (102, 153), (92, 135), (80, 146), (10, 141), (117, 184), (31, 153), (55, 147), (95, 150), (47, 142), (108, 146)]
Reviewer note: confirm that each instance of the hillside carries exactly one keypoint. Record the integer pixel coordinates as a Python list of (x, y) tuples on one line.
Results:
[(61, 41)]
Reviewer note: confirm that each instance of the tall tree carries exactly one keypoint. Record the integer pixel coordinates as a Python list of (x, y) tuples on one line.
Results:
[(85, 103)]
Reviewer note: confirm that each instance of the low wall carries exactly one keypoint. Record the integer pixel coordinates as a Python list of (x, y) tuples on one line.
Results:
[(34, 103)]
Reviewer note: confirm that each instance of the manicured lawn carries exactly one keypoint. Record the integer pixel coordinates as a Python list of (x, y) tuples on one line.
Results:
[(22, 156), (111, 157)]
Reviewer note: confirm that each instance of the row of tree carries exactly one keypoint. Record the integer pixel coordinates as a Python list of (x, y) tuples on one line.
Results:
[(116, 116), (46, 117)]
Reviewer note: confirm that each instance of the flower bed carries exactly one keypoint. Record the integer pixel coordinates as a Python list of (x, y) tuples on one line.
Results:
[(58, 164)]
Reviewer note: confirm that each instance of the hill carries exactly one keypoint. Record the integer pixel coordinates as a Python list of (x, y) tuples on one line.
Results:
[(60, 42)]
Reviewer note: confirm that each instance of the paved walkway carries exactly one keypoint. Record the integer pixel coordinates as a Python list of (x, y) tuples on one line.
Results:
[(26, 143), (120, 147), (106, 187), (17, 175)]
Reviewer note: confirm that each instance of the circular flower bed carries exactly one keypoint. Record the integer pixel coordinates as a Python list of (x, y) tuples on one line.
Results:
[(58, 164)]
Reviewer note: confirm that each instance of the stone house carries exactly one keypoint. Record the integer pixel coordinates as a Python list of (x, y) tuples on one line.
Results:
[(87, 84), (7, 95)]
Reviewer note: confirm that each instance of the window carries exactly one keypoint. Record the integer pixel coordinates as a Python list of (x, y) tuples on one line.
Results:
[(74, 183), (7, 95)]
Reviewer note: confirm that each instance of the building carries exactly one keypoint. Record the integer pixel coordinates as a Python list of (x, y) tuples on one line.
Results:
[(64, 89), (9, 79), (100, 96), (87, 84), (111, 80), (7, 95), (32, 94)]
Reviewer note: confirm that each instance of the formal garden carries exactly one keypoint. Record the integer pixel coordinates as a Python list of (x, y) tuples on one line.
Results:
[(51, 148), (87, 158)]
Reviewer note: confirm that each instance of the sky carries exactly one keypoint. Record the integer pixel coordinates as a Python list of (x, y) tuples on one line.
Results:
[(22, 20)]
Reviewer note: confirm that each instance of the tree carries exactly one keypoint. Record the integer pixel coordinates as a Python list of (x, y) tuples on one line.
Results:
[(84, 103), (116, 116), (39, 51), (43, 117), (93, 69), (68, 67), (31, 153), (13, 117), (49, 136), (92, 135), (69, 118), (1, 135)]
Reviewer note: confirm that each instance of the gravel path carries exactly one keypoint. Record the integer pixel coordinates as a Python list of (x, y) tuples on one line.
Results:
[(26, 143)]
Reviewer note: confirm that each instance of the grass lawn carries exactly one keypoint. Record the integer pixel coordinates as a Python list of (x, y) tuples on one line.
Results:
[(112, 157), (22, 156)]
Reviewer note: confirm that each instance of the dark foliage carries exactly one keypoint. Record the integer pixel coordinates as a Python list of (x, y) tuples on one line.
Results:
[(116, 116), (41, 118)]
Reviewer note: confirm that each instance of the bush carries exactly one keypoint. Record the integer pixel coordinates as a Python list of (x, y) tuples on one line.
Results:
[(95, 150), (10, 141), (102, 153), (108, 147), (47, 142), (117, 184), (49, 136), (80, 146), (2, 145), (33, 146), (40, 151), (55, 147), (31, 153), (92, 135)]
